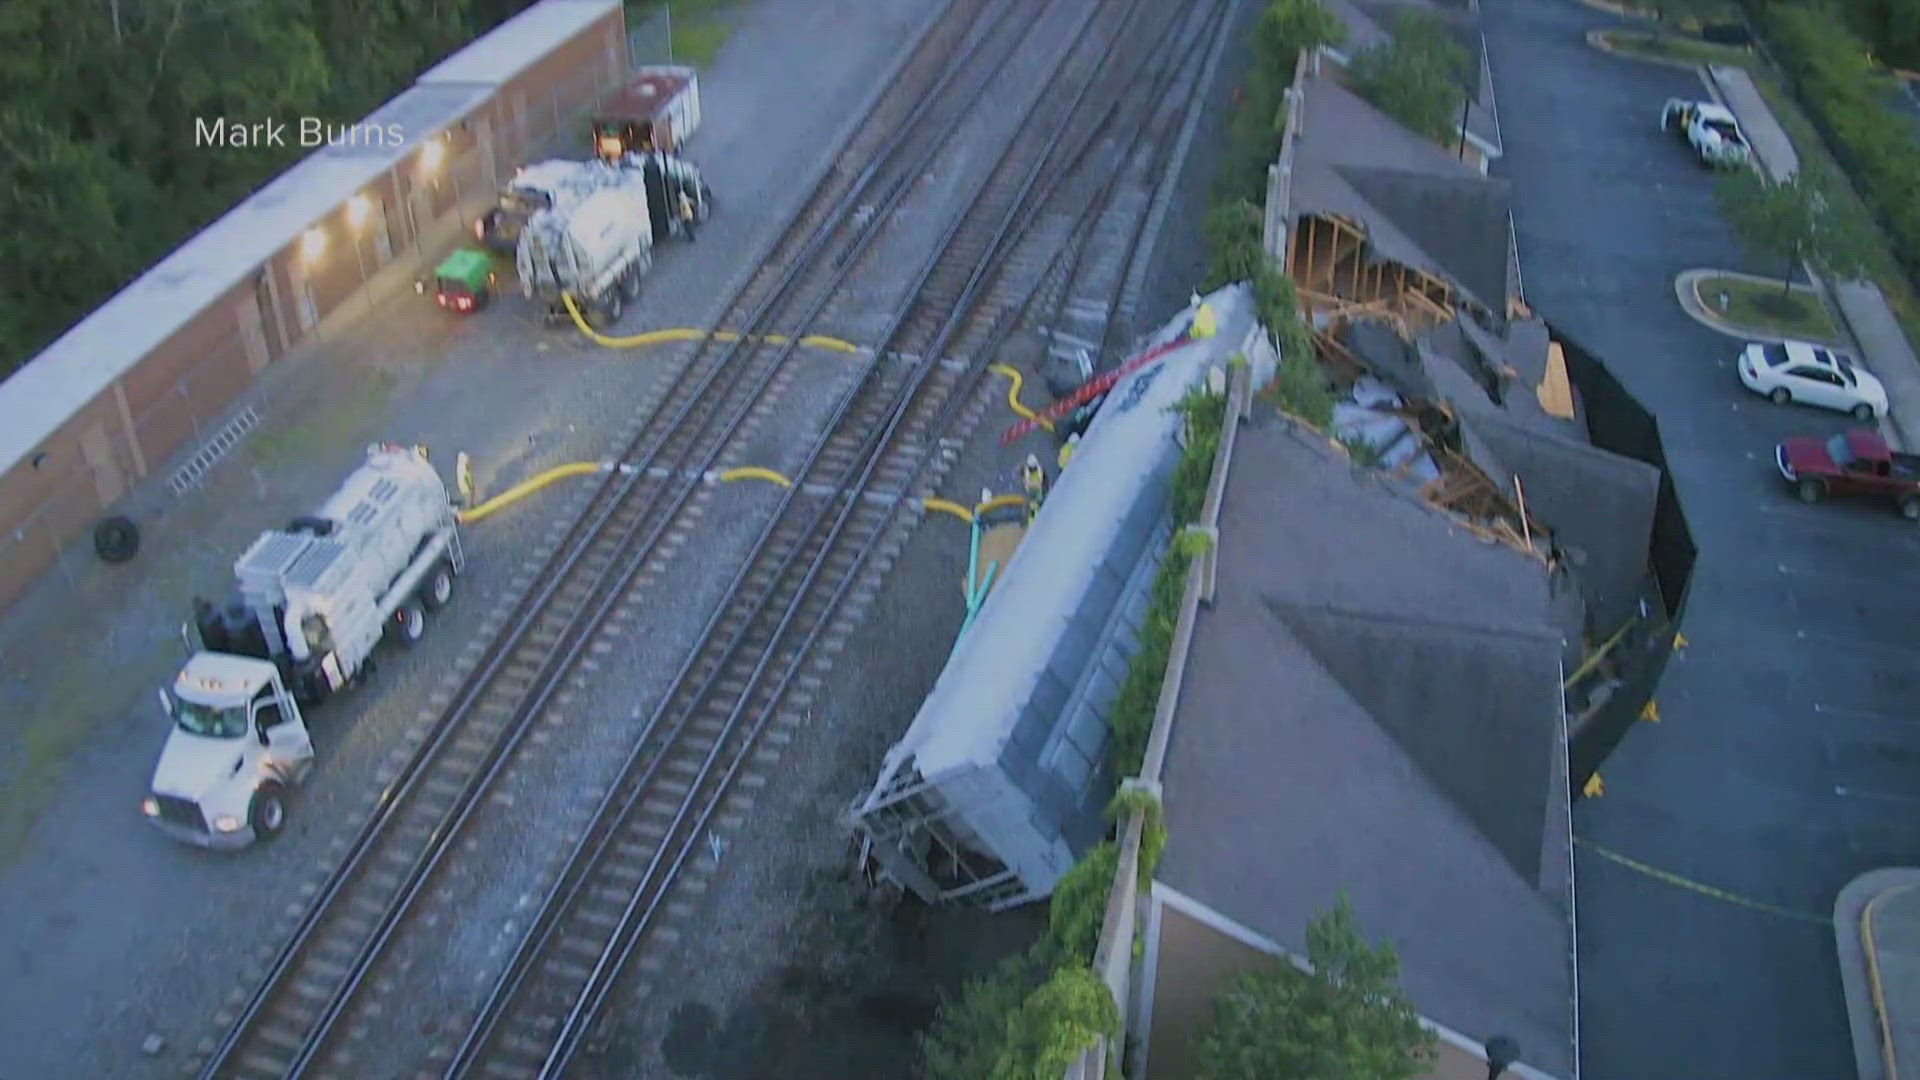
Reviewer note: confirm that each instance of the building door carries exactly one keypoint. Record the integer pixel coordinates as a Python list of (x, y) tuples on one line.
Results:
[(483, 138), (377, 225), (303, 305), (97, 450), (419, 209), (253, 336)]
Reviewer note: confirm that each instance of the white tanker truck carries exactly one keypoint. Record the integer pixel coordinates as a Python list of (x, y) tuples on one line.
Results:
[(595, 251), (311, 602)]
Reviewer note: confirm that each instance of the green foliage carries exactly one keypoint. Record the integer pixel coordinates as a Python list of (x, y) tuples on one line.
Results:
[(1202, 413), (1670, 15), (1835, 75), (1259, 121), (1793, 221), (1418, 76), (1056, 1024), (1153, 837), (1363, 453), (1232, 230), (963, 1042), (1346, 1019), (97, 153), (1079, 906), (1131, 717), (1300, 389)]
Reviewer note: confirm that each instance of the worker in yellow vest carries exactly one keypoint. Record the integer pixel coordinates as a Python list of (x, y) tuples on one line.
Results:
[(1033, 479)]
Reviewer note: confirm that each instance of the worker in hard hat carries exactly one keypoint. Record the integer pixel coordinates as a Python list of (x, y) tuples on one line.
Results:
[(686, 212), (1067, 448), (1033, 479)]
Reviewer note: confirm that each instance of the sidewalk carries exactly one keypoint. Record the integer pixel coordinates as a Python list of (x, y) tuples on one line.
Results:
[(1875, 330), (1876, 926)]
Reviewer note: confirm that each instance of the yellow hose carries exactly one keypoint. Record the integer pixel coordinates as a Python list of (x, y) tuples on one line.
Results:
[(662, 337), (754, 472), (1013, 395), (946, 507), (527, 487)]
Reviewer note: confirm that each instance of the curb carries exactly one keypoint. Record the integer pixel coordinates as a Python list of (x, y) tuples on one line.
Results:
[(1597, 39), (1859, 967), (1686, 290)]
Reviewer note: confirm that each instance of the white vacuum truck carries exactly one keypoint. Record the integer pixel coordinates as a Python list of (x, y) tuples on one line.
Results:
[(595, 252), (544, 185), (312, 600)]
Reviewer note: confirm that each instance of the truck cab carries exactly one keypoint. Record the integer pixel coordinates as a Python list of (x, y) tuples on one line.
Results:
[(236, 744), (1710, 129)]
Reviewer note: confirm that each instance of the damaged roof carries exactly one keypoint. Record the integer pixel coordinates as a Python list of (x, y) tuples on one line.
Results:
[(1373, 706), (1418, 204)]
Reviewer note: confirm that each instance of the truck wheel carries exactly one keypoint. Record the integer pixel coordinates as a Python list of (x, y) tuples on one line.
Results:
[(613, 307), (1863, 412), (268, 814), (1810, 490), (116, 539), (439, 587), (481, 299), (1779, 395), (410, 623), (630, 285)]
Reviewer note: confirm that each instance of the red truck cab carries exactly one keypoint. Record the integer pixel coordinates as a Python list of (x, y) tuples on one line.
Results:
[(1856, 462)]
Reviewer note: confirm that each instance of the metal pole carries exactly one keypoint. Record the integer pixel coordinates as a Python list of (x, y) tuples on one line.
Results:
[(666, 12), (1466, 103)]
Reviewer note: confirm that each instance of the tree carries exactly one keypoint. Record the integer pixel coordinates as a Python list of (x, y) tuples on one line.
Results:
[(1795, 221), (1258, 123), (1419, 76), (1014, 1025), (1671, 15), (1345, 1019), (1288, 26)]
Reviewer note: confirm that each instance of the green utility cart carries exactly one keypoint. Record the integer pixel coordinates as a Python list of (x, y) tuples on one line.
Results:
[(462, 282)]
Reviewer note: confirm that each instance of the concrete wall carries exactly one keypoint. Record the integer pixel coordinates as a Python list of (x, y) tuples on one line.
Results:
[(176, 397)]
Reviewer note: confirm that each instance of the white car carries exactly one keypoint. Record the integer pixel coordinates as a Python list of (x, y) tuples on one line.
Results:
[(1814, 374)]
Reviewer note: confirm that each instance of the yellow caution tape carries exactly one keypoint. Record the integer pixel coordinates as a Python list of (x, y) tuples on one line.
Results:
[(1013, 395), (663, 337), (1704, 890)]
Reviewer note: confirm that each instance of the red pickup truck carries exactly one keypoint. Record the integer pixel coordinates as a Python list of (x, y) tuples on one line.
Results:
[(1856, 462)]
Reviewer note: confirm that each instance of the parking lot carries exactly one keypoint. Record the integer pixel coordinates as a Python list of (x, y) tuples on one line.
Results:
[(1786, 758)]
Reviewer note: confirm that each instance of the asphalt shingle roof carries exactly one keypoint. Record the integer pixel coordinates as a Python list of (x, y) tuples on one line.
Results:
[(1372, 705)]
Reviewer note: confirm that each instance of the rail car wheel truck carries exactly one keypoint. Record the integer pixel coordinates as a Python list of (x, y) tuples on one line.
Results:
[(311, 601)]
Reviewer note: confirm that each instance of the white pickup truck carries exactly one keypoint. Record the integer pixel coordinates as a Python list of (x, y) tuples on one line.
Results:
[(1710, 129)]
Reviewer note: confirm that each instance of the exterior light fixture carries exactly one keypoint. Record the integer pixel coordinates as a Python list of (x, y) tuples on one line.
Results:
[(431, 154), (357, 209), (313, 243)]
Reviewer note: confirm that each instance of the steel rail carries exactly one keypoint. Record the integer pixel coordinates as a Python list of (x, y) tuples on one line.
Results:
[(534, 605), (518, 968)]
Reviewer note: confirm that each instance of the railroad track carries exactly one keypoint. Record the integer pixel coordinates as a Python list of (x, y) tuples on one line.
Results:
[(284, 1027), (729, 692)]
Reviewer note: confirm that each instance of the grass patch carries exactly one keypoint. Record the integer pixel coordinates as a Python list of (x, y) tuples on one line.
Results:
[(1761, 306), (1886, 272), (47, 737), (333, 425), (698, 30), (1674, 47)]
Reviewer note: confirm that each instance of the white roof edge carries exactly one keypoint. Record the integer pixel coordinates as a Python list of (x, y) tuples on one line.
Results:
[(87, 359)]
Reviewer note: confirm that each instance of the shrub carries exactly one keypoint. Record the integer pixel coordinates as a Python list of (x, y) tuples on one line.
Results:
[(1418, 76)]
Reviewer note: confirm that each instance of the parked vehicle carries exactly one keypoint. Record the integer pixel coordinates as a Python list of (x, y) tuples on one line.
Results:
[(657, 111), (1813, 374), (595, 253), (544, 185), (1855, 463), (668, 179), (1709, 128), (462, 282), (311, 602)]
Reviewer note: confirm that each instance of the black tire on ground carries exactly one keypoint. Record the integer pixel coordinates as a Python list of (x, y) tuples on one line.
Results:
[(438, 588), (1810, 490), (268, 812), (1863, 412), (116, 539), (410, 623), (1910, 508), (630, 285), (1779, 395), (481, 299), (611, 308)]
